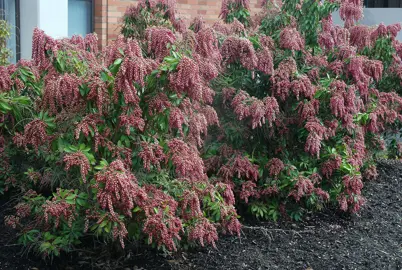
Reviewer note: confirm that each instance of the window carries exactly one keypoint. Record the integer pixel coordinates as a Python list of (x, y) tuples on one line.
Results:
[(80, 17), (9, 11), (383, 3)]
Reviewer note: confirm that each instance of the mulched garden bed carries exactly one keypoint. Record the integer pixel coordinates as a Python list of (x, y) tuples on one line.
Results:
[(329, 240)]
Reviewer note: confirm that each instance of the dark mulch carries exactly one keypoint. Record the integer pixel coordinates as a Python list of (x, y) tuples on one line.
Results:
[(329, 240)]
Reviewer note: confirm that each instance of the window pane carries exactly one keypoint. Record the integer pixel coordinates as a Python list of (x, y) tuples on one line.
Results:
[(383, 3), (8, 13), (79, 17)]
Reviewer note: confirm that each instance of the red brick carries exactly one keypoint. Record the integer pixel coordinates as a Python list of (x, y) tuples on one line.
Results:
[(109, 12)]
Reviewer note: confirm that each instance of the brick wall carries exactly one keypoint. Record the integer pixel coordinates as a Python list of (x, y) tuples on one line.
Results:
[(109, 12)]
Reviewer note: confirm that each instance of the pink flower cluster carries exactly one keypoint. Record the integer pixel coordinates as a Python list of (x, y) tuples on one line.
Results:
[(161, 224), (275, 166), (187, 161), (207, 44), (260, 111), (80, 160), (239, 167), (88, 124), (291, 39), (89, 42), (23, 210), (352, 194), (61, 92), (282, 78), (234, 48), (351, 11), (197, 24), (5, 79), (158, 104), (59, 209), (330, 166), (98, 92), (265, 61), (133, 69), (34, 134), (118, 189), (204, 231), (332, 36), (158, 38), (187, 78), (229, 5), (133, 119), (151, 154)]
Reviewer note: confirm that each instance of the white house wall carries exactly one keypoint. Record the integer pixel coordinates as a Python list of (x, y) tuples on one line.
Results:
[(49, 15)]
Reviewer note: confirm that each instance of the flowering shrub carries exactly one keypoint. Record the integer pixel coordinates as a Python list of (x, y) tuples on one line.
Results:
[(149, 13), (110, 143), (10, 102), (5, 52), (303, 113), (238, 10), (161, 134)]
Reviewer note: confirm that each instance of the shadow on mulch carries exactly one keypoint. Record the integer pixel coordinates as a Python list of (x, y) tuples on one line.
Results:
[(329, 240)]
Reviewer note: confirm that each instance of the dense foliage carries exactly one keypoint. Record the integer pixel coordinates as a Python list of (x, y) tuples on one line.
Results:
[(108, 145), (303, 106), (168, 132), (5, 34)]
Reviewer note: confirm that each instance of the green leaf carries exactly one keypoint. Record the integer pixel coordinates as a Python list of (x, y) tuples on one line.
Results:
[(5, 107), (81, 202), (108, 227), (117, 61), (103, 224), (99, 167), (44, 246)]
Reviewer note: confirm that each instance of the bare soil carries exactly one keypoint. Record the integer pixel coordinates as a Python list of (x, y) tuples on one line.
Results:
[(328, 240)]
